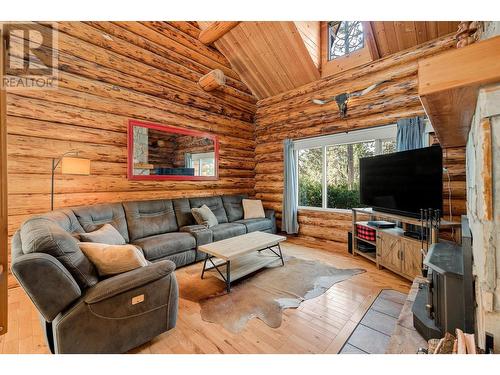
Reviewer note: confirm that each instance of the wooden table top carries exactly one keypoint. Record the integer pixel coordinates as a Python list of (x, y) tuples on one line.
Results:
[(234, 247)]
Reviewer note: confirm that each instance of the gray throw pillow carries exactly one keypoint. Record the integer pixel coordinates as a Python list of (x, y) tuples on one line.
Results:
[(107, 234), (204, 216)]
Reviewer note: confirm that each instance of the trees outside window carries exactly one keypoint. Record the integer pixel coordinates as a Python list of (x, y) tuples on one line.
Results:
[(328, 176), (343, 173), (344, 37), (310, 171)]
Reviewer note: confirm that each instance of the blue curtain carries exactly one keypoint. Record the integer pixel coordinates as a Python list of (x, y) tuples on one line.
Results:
[(410, 135), (289, 223)]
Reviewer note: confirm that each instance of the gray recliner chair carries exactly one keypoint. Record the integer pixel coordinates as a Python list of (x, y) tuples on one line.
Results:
[(81, 313)]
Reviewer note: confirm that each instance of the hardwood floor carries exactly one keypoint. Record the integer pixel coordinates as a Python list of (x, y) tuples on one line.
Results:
[(319, 325)]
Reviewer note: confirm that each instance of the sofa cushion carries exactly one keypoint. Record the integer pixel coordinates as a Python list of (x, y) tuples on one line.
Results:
[(201, 233), (227, 230), (149, 218), (233, 206), (215, 205), (67, 220), (93, 217), (181, 259), (183, 213), (162, 245), (113, 259), (253, 209), (42, 235), (254, 225), (106, 234), (204, 216)]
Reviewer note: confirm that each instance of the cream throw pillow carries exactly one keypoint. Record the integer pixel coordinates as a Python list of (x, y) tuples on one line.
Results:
[(113, 259), (204, 216), (253, 209)]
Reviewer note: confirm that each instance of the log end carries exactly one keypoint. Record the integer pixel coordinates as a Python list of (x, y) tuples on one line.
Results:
[(212, 80)]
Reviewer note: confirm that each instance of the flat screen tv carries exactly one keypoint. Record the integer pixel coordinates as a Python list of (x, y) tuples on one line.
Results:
[(403, 182)]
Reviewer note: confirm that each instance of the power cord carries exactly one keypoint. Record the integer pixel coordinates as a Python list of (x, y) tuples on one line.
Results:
[(445, 170)]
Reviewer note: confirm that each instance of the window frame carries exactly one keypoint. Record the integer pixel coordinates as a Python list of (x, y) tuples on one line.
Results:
[(377, 134), (357, 58), (331, 39), (201, 157)]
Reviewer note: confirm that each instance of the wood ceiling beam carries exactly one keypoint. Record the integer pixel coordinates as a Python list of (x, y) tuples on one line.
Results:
[(370, 40), (448, 86), (216, 30)]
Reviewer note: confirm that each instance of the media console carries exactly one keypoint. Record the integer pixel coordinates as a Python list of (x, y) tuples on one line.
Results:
[(390, 248)]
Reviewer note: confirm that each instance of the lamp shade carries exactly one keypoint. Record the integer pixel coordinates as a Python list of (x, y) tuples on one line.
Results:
[(75, 166)]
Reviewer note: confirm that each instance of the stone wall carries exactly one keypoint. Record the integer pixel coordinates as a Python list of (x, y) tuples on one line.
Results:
[(141, 148), (483, 205)]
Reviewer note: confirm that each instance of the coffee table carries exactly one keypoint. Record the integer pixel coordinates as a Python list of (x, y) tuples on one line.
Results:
[(241, 255)]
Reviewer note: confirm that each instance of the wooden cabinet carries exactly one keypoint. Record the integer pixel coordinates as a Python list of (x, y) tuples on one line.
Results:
[(399, 254), (393, 250), (411, 262), (388, 251)]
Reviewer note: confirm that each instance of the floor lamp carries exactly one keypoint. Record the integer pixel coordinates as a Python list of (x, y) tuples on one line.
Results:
[(69, 165)]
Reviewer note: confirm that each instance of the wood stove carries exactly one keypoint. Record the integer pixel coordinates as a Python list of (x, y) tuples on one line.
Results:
[(445, 301)]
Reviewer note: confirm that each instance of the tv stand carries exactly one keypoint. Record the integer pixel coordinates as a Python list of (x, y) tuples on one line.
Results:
[(392, 249)]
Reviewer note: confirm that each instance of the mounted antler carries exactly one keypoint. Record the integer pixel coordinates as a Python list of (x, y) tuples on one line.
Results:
[(343, 98)]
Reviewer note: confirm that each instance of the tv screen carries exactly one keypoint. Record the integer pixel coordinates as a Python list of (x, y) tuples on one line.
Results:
[(403, 182)]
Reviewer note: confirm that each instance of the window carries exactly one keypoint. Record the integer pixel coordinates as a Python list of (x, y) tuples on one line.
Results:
[(203, 163), (310, 171), (328, 167), (344, 37)]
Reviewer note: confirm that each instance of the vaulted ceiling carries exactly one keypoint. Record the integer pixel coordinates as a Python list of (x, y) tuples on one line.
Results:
[(270, 57), (395, 36), (276, 56)]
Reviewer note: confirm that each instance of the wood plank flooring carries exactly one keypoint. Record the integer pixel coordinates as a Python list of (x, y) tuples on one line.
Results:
[(320, 325)]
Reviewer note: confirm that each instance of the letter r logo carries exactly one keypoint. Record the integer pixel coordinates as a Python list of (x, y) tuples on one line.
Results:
[(30, 49)]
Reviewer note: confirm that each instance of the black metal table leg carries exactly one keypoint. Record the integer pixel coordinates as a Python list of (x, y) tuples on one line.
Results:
[(281, 255), (204, 265), (228, 276)]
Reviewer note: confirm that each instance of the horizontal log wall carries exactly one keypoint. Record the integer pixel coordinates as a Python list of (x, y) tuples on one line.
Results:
[(108, 73), (293, 115)]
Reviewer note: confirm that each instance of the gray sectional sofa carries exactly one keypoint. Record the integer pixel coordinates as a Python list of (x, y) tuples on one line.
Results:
[(82, 313)]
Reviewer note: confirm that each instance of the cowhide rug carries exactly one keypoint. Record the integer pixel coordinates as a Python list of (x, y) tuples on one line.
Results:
[(263, 295)]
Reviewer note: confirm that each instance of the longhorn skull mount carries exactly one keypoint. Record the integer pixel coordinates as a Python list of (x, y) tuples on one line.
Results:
[(342, 99)]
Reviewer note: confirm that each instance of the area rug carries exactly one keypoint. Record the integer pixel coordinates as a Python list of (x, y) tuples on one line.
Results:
[(263, 295)]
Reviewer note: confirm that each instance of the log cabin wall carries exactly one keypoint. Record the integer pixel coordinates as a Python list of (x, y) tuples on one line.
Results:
[(293, 115), (109, 73)]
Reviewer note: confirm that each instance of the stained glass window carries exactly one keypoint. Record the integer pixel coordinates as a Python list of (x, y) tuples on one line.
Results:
[(344, 37)]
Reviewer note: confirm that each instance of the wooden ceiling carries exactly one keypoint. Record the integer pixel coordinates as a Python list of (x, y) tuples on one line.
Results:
[(395, 36), (274, 57), (270, 57)]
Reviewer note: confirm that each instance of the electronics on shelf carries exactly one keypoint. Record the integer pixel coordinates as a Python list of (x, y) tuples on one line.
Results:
[(381, 224), (403, 182), (366, 247), (415, 234)]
